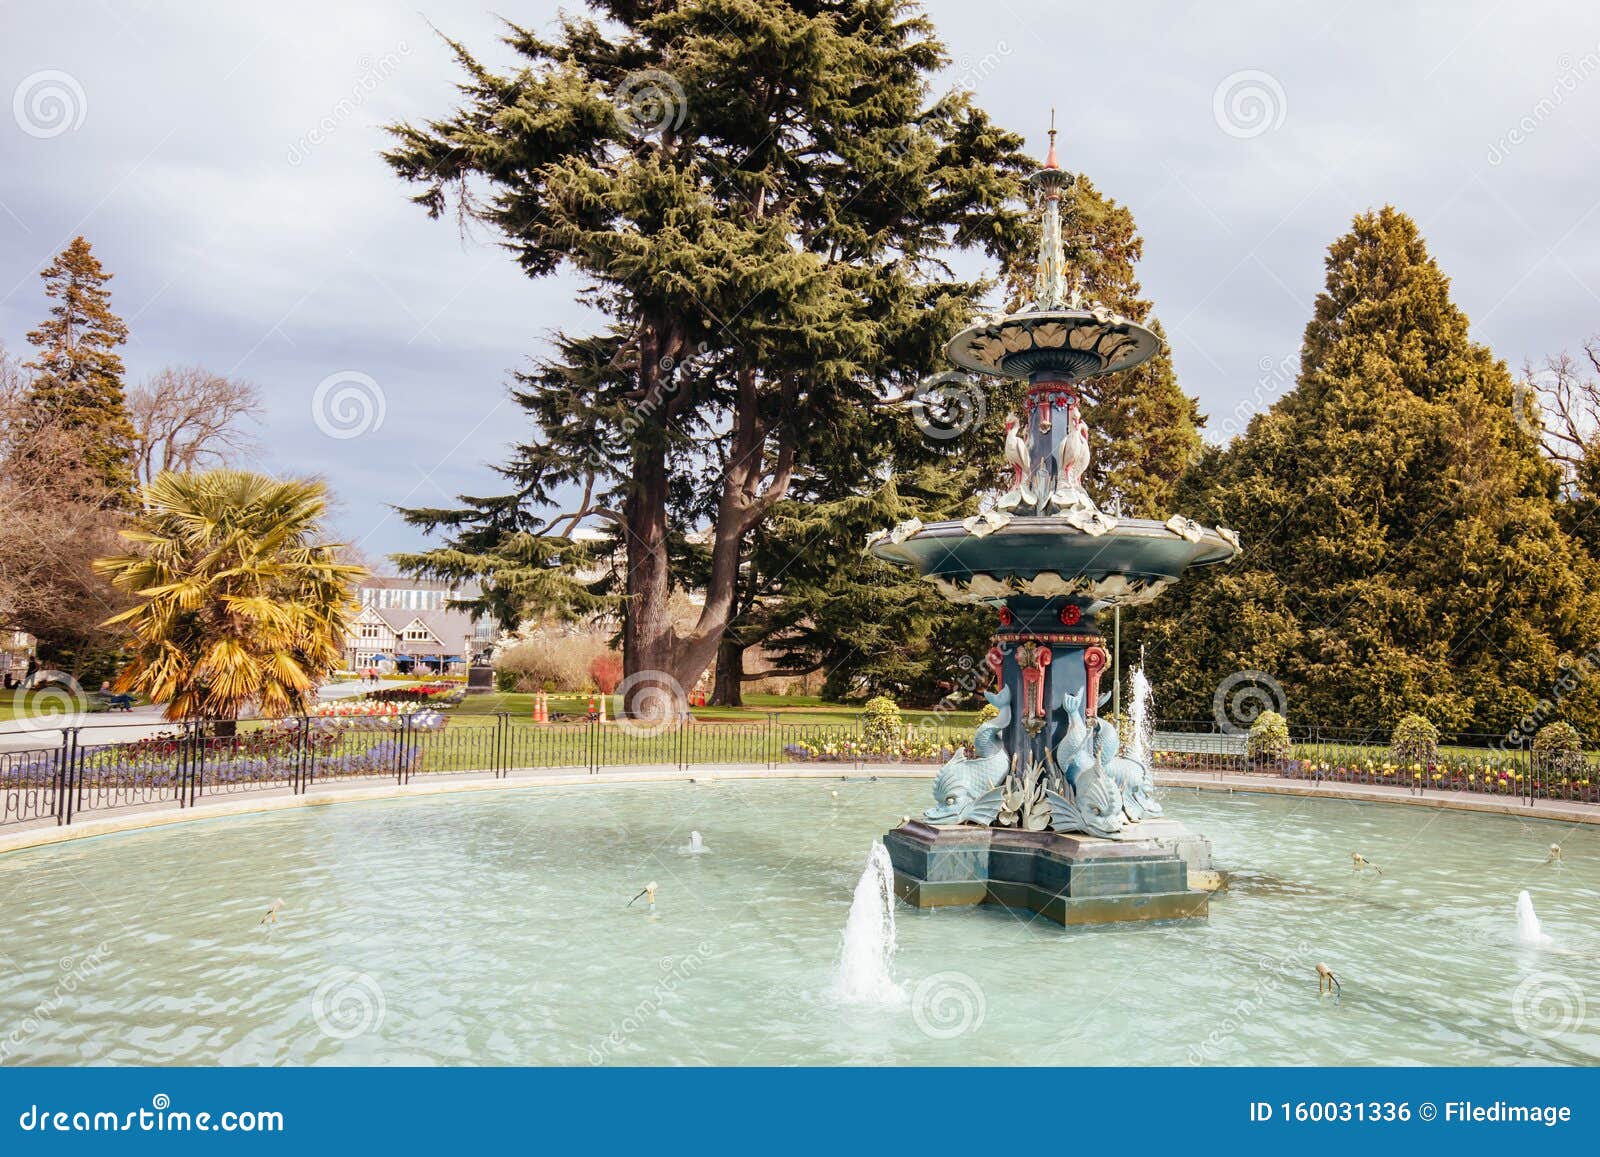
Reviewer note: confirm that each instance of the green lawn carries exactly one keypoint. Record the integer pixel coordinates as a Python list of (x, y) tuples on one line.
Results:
[(38, 704), (793, 710)]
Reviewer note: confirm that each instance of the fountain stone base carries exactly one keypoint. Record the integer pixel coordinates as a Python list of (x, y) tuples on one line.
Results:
[(1143, 874)]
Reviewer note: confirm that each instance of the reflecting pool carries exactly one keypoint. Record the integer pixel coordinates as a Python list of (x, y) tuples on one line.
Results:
[(501, 928)]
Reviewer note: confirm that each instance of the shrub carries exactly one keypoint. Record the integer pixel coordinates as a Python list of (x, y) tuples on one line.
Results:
[(606, 671), (880, 722), (1269, 737), (987, 712), (426, 693), (541, 659), (1557, 751), (1557, 737), (1414, 740)]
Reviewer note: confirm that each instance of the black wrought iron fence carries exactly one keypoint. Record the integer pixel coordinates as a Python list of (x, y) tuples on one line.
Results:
[(1464, 762), (83, 772)]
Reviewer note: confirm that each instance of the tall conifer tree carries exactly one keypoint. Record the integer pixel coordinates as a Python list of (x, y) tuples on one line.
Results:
[(1403, 545), (77, 382), (761, 199)]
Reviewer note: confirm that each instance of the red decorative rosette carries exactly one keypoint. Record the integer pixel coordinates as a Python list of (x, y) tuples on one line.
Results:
[(1006, 618), (1070, 615)]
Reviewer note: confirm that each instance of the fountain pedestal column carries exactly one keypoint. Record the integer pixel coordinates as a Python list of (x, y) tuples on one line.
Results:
[(1044, 650)]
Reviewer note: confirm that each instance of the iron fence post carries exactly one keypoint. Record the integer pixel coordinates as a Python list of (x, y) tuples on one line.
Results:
[(311, 759), (197, 775), (75, 774), (302, 757), (500, 724), (63, 781), (184, 791)]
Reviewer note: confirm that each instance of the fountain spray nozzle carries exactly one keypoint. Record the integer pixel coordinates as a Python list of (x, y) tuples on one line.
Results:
[(1328, 983)]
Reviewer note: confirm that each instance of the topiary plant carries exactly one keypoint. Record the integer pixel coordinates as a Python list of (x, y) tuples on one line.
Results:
[(1557, 752), (1269, 737), (1558, 737), (880, 723), (1414, 740)]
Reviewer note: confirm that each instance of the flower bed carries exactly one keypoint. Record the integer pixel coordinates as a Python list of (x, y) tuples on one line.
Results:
[(1491, 773), (852, 748), (331, 747), (435, 693), (372, 713)]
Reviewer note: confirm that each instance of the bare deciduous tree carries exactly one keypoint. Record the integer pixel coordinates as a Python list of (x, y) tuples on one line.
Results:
[(188, 418), (1568, 406)]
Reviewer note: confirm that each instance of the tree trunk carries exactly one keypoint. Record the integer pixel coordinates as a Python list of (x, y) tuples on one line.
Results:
[(647, 635), (728, 691), (740, 507)]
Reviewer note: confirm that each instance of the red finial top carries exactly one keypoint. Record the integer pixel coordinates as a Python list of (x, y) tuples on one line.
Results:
[(1050, 161)]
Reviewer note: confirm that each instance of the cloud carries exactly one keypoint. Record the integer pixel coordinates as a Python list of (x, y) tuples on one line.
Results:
[(225, 166)]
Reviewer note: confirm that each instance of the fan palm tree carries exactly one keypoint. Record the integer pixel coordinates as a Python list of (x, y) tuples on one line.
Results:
[(241, 601)]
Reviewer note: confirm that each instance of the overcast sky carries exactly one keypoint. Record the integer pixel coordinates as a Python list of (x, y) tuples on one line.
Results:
[(223, 160)]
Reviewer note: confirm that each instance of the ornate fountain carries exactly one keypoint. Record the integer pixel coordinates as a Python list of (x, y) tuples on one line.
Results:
[(1050, 813)]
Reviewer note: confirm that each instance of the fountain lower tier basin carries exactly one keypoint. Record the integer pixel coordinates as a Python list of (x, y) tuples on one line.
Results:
[(1049, 557), (1143, 874)]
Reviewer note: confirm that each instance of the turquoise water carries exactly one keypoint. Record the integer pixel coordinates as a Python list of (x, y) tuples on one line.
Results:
[(494, 928)]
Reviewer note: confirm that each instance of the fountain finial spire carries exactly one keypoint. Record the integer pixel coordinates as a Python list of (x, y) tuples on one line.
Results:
[(1050, 280)]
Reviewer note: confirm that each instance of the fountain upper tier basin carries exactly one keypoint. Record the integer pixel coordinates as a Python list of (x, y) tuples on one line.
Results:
[(1048, 556), (1077, 343)]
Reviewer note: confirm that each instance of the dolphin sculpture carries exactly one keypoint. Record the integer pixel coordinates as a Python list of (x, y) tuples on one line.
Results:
[(1132, 775), (964, 780)]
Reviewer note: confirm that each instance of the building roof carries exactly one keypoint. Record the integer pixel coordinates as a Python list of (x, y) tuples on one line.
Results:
[(450, 629), (390, 582)]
